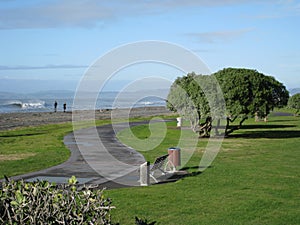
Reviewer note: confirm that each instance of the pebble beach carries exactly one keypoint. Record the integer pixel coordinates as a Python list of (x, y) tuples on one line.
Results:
[(10, 121)]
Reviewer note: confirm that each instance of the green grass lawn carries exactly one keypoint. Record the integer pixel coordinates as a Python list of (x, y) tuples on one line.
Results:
[(30, 149), (255, 179)]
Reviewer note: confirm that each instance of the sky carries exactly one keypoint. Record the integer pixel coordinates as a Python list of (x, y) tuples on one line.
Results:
[(50, 44)]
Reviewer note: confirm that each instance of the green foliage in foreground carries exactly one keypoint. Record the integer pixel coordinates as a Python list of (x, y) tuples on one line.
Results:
[(45, 203), (255, 179)]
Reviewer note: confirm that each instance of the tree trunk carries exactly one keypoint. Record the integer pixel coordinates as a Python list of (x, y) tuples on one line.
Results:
[(205, 128), (232, 129)]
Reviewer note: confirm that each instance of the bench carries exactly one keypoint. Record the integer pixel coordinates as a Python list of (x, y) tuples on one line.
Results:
[(162, 164)]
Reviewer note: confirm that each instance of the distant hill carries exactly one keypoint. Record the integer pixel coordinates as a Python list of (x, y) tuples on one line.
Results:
[(53, 94), (31, 86), (294, 91), (37, 95), (10, 95)]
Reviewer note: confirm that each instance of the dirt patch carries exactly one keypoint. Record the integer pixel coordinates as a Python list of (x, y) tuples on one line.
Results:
[(12, 157)]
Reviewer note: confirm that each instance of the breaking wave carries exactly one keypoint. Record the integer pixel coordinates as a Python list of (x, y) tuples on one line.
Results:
[(25, 104)]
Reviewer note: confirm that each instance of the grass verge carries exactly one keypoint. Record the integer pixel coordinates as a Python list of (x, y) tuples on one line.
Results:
[(29, 149)]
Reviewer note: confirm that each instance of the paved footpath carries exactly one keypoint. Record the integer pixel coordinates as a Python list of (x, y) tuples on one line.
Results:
[(97, 157)]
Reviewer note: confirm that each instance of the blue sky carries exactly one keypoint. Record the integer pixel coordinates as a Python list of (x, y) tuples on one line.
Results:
[(49, 44)]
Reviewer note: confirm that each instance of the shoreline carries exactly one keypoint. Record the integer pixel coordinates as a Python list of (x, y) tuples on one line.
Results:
[(10, 121)]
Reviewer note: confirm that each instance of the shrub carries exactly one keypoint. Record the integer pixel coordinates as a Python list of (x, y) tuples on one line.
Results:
[(139, 221), (46, 203), (294, 103)]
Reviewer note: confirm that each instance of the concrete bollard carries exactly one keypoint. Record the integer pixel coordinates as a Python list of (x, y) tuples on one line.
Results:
[(179, 121), (145, 174)]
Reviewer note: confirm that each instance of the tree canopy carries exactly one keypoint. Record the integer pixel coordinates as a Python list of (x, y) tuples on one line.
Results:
[(196, 97), (245, 92)]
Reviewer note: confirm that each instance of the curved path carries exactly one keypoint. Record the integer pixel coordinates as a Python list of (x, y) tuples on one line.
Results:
[(76, 165)]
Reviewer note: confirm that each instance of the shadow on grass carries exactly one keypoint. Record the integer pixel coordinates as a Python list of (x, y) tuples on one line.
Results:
[(268, 134), (22, 135), (266, 126), (281, 114), (281, 121), (194, 167), (182, 173), (194, 173)]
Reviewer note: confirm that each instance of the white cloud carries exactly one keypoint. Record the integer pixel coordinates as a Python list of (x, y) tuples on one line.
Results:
[(281, 9), (89, 13), (170, 4), (57, 14), (42, 67), (217, 36)]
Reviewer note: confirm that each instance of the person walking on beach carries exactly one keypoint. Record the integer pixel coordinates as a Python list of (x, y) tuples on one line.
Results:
[(65, 107), (55, 106)]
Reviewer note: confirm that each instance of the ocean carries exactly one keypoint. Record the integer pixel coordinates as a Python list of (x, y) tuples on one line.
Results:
[(44, 101)]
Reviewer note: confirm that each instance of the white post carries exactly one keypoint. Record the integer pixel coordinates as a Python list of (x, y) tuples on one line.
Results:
[(179, 121), (145, 174)]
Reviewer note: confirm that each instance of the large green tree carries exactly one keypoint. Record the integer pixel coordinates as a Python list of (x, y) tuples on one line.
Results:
[(197, 98), (246, 92), (187, 98)]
